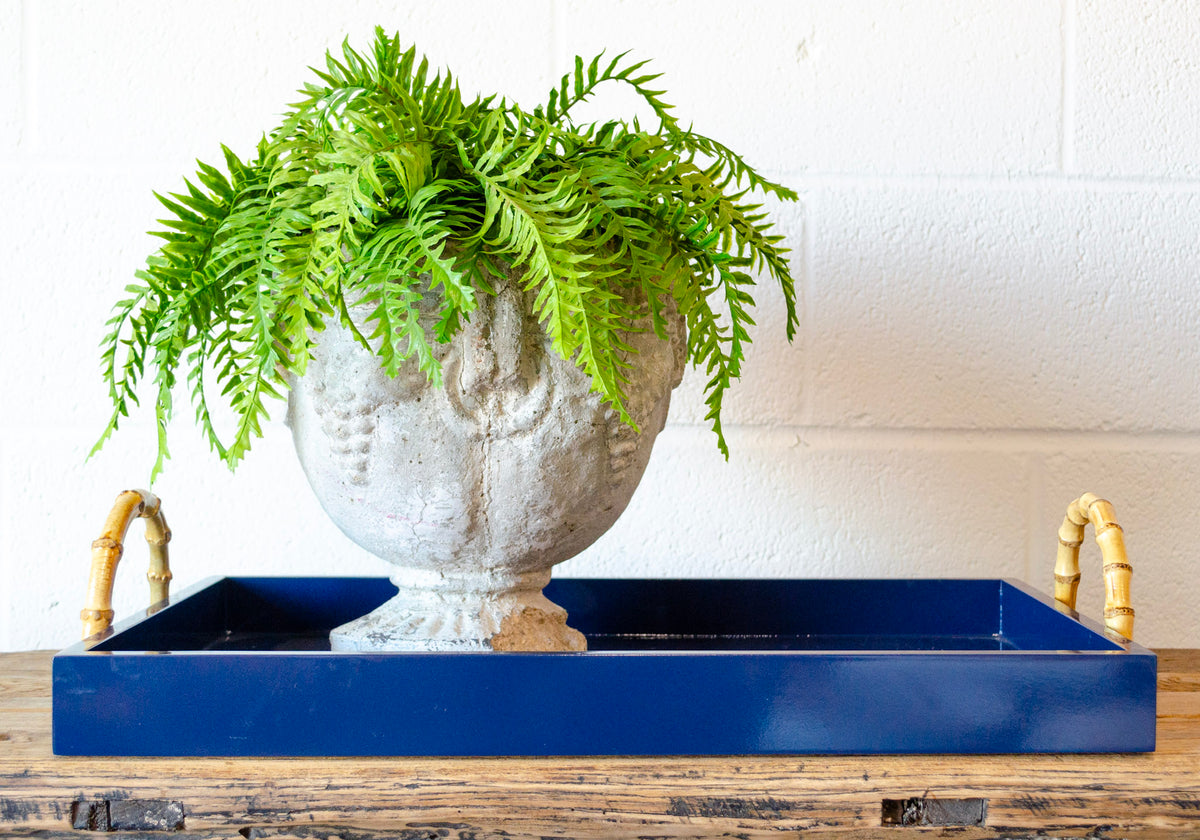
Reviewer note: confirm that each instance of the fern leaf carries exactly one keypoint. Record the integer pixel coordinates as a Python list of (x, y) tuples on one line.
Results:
[(383, 187)]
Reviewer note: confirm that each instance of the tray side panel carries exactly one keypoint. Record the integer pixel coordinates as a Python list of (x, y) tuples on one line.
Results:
[(780, 607), (1032, 620), (566, 704), (203, 615)]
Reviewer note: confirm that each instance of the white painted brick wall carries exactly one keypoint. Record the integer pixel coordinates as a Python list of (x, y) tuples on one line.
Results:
[(995, 248)]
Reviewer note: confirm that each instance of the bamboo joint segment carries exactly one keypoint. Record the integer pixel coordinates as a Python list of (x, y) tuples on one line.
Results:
[(1118, 614), (108, 548)]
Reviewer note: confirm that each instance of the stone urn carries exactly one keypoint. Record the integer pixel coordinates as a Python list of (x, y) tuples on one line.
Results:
[(475, 489)]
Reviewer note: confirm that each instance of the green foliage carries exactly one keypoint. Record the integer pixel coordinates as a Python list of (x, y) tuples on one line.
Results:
[(383, 187)]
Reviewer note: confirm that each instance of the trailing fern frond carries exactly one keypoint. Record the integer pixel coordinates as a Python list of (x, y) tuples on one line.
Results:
[(385, 192)]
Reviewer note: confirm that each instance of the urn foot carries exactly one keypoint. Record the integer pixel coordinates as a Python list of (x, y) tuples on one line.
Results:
[(470, 612)]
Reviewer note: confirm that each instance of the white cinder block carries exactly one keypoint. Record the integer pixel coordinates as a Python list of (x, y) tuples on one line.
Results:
[(150, 83), (12, 77), (76, 244), (1137, 108), (917, 512), (786, 506), (1055, 308), (1153, 492), (696, 515), (930, 86)]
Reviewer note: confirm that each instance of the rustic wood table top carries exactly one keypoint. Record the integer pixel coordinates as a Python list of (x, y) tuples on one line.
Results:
[(1143, 796)]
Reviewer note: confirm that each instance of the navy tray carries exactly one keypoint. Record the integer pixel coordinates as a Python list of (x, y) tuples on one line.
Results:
[(241, 667)]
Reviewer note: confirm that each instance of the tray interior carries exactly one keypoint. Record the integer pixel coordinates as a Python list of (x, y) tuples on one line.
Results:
[(296, 614)]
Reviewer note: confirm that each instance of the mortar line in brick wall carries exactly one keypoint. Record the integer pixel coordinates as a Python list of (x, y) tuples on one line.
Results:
[(804, 182), (1021, 441), (24, 83), (1066, 151), (1023, 182), (807, 319)]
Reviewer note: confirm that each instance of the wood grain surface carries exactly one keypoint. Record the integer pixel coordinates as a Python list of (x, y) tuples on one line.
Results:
[(1140, 797)]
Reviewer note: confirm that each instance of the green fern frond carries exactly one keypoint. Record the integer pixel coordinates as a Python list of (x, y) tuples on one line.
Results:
[(578, 86), (387, 284), (384, 192)]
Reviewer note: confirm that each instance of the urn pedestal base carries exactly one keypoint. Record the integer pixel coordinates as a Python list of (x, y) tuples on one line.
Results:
[(466, 612)]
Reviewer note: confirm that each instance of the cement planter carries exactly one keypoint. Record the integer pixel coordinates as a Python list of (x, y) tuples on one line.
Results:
[(475, 489)]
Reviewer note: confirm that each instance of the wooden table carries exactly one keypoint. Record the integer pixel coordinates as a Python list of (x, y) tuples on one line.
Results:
[(1154, 795)]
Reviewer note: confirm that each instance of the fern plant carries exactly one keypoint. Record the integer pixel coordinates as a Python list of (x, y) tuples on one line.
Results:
[(382, 186)]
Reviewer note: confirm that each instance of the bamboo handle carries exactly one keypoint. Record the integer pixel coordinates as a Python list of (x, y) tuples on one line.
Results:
[(1118, 614), (97, 615)]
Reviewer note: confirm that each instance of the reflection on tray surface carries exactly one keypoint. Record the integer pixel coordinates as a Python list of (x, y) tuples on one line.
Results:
[(258, 640), (797, 642), (319, 640)]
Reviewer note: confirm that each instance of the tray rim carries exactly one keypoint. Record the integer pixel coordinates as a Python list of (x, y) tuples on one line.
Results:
[(1122, 646)]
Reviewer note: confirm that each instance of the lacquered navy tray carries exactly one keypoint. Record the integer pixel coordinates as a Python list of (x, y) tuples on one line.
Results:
[(241, 667)]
